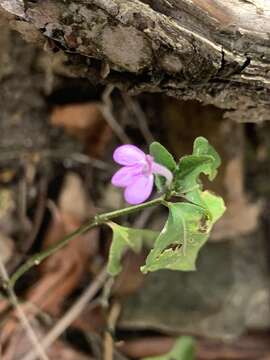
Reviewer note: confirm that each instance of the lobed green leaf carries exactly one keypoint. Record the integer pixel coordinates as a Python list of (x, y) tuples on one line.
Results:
[(185, 232), (213, 203), (204, 160), (189, 170), (125, 238), (178, 244), (201, 146)]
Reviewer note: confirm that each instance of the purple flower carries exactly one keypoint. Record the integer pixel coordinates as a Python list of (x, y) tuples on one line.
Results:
[(136, 176)]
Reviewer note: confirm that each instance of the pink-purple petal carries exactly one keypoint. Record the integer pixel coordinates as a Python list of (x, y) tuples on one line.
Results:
[(139, 190), (126, 176), (163, 171), (128, 155)]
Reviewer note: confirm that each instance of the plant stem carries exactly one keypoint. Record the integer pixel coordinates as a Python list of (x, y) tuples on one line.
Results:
[(95, 221), (29, 331)]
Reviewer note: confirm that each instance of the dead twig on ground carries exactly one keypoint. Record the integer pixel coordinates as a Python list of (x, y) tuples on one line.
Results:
[(72, 313), (108, 339), (39, 350)]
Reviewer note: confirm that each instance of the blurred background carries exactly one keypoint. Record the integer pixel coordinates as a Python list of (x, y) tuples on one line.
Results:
[(57, 135)]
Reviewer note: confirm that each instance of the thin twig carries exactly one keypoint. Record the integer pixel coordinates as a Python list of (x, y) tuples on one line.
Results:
[(135, 107), (72, 313), (57, 155), (39, 350), (108, 339), (86, 159), (38, 217), (39, 212), (22, 203), (106, 109)]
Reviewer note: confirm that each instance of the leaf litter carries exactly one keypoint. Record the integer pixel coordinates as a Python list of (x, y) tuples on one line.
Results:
[(60, 280)]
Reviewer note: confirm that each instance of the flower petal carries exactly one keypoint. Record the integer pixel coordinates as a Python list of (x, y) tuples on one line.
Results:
[(140, 189), (128, 155), (163, 171), (126, 175)]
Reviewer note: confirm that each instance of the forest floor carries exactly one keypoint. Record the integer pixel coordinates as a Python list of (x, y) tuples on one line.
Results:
[(57, 137)]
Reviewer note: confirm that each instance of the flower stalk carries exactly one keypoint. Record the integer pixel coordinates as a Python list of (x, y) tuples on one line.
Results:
[(90, 224)]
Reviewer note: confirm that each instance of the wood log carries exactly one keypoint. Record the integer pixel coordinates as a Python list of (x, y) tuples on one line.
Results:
[(213, 51)]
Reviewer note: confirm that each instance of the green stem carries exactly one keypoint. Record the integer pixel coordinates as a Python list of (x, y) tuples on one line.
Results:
[(95, 221)]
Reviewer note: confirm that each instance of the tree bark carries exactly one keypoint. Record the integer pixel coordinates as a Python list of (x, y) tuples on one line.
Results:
[(213, 51)]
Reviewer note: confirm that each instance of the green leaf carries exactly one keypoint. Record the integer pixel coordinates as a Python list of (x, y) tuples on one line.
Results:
[(178, 244), (183, 349), (201, 146), (185, 232), (125, 238), (160, 183), (210, 201), (162, 155), (189, 223), (189, 170), (204, 160)]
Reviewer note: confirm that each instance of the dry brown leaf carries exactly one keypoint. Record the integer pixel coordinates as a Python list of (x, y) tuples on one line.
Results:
[(61, 273), (131, 278), (146, 347), (241, 216), (6, 247), (85, 122), (73, 198), (62, 351), (92, 319), (19, 346)]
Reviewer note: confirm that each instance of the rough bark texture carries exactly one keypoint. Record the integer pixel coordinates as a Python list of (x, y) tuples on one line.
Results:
[(24, 80), (210, 50), (30, 146)]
